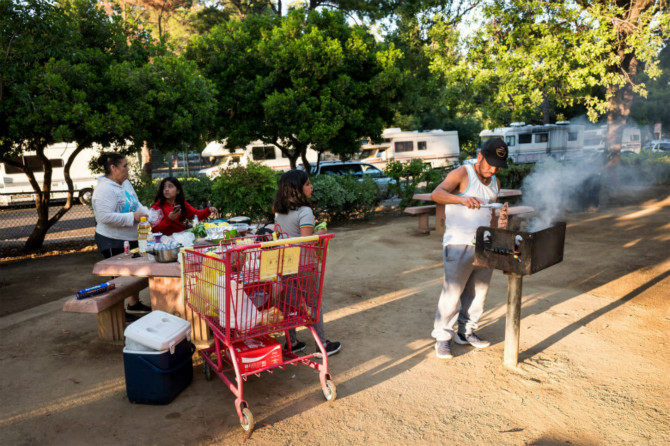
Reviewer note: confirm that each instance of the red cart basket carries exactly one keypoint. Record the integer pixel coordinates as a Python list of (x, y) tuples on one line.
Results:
[(245, 290)]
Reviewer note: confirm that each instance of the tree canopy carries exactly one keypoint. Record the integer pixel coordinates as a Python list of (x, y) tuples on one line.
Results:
[(70, 73), (297, 81), (535, 58)]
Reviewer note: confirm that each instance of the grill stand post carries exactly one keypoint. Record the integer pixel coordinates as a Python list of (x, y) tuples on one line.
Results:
[(513, 321)]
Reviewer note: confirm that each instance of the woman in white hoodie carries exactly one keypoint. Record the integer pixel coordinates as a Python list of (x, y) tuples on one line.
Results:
[(117, 211)]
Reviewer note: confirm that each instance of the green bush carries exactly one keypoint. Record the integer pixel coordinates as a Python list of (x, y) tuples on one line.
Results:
[(247, 191), (197, 190), (409, 177), (651, 166), (343, 197), (512, 177)]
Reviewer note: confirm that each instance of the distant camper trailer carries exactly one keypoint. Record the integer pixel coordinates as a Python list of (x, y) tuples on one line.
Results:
[(260, 152), (16, 189), (533, 143), (596, 139), (561, 141), (437, 148)]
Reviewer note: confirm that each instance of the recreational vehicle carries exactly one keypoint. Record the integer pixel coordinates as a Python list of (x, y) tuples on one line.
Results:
[(596, 139), (533, 143), (15, 187), (437, 148), (266, 154)]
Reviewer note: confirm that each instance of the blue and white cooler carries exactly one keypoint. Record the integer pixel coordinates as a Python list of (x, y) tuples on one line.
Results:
[(158, 358)]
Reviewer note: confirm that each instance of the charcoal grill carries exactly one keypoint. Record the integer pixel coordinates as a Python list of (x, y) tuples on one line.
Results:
[(517, 253)]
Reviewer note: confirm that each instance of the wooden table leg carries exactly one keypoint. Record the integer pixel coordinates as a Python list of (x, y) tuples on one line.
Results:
[(439, 219), (166, 295), (513, 321)]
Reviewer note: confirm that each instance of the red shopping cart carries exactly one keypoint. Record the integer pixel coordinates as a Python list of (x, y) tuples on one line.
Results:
[(246, 290)]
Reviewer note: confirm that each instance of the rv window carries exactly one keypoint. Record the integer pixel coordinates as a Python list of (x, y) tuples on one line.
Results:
[(421, 145), (404, 146), (573, 136), (510, 140), (525, 138), (263, 153), (34, 164), (11, 169), (542, 137)]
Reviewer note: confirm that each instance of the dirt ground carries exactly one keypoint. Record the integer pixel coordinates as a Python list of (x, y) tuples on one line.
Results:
[(594, 361)]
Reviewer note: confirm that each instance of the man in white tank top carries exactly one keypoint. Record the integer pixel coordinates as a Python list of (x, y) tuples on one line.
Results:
[(465, 286)]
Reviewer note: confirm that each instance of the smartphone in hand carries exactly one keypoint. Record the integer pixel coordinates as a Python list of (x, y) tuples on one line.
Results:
[(176, 208)]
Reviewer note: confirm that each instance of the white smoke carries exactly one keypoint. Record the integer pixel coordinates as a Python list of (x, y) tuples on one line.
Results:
[(553, 188)]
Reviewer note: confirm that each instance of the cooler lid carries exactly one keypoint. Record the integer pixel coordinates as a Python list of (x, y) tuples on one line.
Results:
[(159, 330)]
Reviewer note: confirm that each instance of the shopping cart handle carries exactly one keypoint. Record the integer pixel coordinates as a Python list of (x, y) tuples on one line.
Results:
[(284, 241)]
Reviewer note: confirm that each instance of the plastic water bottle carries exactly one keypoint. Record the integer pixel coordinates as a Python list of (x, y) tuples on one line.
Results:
[(195, 220), (143, 229)]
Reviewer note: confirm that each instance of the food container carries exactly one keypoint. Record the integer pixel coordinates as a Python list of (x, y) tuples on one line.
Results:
[(240, 219), (166, 255), (240, 228)]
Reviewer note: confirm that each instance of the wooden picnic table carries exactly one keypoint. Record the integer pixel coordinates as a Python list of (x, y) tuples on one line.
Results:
[(165, 286), (439, 208)]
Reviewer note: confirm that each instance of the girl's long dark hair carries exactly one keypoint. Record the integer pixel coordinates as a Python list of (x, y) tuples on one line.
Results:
[(180, 199), (289, 192)]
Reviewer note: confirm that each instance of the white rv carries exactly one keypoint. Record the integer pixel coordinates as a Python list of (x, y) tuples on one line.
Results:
[(15, 187), (266, 154), (596, 138), (437, 148), (533, 143)]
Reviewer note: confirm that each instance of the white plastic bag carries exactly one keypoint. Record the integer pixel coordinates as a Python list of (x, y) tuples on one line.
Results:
[(243, 312), (185, 238)]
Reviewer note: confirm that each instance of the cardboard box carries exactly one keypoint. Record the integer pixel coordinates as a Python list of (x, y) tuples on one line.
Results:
[(256, 353)]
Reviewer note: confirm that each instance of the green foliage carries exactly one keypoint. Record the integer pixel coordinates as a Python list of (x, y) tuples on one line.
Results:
[(409, 177), (247, 191), (535, 60), (298, 80), (512, 177), (342, 197), (653, 167), (197, 190)]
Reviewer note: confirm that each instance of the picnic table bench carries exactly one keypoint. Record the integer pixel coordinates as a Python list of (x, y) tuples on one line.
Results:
[(109, 306), (424, 211)]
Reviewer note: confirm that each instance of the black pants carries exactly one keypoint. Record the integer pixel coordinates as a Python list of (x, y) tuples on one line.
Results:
[(109, 247)]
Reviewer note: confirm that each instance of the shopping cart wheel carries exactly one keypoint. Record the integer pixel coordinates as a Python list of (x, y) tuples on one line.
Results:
[(207, 370), (330, 392), (248, 422)]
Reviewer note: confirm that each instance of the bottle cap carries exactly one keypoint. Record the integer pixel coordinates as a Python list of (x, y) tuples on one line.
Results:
[(143, 219)]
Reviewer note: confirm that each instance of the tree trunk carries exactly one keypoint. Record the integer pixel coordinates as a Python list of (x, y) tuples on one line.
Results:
[(147, 167)]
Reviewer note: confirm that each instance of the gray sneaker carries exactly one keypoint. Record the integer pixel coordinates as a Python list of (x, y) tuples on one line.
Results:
[(471, 339), (443, 349)]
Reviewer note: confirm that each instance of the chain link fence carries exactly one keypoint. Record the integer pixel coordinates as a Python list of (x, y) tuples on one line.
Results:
[(76, 229)]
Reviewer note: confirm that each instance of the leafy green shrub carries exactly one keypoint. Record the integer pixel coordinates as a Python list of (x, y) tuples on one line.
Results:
[(342, 197), (197, 190), (652, 166), (247, 191), (409, 177), (512, 177)]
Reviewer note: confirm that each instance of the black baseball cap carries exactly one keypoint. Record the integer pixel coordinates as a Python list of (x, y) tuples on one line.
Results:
[(495, 152)]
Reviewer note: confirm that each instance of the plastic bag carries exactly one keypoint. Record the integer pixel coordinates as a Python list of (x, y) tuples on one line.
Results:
[(155, 216), (185, 238), (243, 314)]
